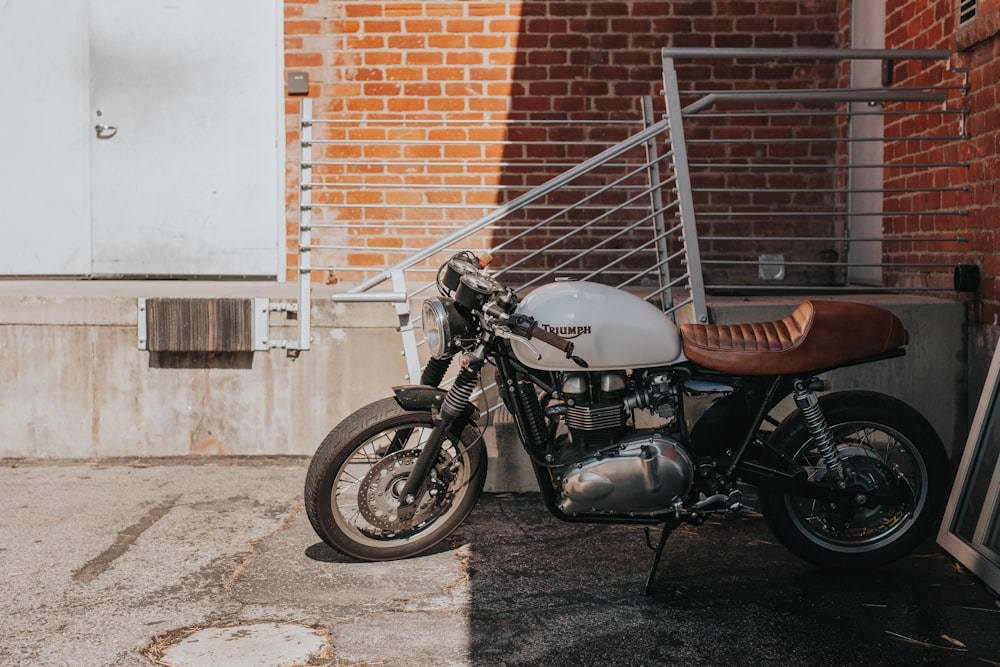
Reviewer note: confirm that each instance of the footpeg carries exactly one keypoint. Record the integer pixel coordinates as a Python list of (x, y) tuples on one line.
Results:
[(715, 503)]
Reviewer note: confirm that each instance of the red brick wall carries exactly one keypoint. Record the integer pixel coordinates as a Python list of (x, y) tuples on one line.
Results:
[(934, 25), (580, 59), (565, 60), (786, 185)]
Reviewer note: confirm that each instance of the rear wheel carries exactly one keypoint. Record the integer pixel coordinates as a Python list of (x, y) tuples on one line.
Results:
[(894, 466), (355, 478)]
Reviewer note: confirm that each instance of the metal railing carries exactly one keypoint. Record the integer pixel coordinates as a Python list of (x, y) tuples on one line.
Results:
[(640, 213), (794, 188), (613, 217), (604, 218)]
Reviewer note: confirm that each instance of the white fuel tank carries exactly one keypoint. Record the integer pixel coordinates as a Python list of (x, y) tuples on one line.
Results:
[(610, 328)]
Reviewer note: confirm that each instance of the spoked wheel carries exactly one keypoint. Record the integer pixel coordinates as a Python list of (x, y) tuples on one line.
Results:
[(352, 490), (894, 468)]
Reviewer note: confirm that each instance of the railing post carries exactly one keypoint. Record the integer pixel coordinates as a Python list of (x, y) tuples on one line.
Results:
[(406, 327), (305, 225), (685, 200), (656, 201)]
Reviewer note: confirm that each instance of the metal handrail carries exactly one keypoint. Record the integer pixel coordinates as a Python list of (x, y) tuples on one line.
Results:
[(805, 54), (517, 204), (742, 211), (647, 190), (666, 237)]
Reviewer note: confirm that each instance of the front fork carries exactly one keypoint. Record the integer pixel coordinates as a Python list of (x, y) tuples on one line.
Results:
[(454, 406)]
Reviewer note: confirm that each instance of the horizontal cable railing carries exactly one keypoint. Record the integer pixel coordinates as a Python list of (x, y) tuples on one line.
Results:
[(825, 189), (603, 219), (797, 186), (601, 210)]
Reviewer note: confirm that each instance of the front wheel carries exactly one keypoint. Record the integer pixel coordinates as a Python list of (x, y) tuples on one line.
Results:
[(354, 480), (891, 456)]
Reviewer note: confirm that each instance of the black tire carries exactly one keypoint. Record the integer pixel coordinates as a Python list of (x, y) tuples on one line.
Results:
[(886, 445), (352, 477)]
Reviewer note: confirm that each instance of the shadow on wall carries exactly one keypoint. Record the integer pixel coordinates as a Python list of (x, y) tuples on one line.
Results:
[(195, 360), (582, 71)]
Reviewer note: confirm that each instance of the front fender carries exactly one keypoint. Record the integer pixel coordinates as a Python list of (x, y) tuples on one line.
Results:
[(419, 397), (424, 398)]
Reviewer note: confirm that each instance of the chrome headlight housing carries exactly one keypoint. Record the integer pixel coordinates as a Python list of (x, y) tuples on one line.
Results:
[(442, 324)]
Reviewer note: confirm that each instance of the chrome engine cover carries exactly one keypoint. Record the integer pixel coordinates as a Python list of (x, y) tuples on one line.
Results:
[(648, 474)]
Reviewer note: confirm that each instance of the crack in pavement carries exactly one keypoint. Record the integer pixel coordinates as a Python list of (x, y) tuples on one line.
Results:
[(242, 566), (95, 567)]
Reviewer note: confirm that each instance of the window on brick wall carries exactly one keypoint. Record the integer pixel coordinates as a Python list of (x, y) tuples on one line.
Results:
[(967, 10)]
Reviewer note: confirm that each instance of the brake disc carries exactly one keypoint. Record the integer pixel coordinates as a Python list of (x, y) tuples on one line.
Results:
[(378, 497)]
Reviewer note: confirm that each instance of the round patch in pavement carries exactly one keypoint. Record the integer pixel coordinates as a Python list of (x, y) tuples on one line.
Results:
[(251, 645)]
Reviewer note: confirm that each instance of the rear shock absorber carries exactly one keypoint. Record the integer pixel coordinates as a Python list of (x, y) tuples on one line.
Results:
[(808, 403)]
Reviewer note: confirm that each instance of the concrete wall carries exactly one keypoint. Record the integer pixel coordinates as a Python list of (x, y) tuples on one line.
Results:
[(983, 341), (73, 382)]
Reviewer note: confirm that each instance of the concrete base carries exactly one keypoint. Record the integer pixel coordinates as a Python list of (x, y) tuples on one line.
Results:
[(74, 383)]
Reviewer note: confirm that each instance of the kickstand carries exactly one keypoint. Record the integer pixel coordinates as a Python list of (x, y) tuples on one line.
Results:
[(667, 529)]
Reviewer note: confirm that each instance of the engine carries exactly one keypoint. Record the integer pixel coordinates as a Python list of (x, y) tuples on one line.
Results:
[(647, 475), (617, 469), (595, 415)]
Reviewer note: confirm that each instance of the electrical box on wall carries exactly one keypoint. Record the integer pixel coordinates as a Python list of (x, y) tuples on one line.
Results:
[(298, 83), (771, 267)]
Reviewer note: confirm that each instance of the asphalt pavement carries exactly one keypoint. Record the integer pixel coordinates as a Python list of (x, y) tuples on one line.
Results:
[(211, 562)]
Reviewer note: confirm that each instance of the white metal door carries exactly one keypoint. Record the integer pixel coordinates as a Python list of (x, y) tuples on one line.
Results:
[(185, 176), (184, 133), (44, 180)]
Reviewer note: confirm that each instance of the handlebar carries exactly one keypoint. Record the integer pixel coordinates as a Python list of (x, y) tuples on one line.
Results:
[(530, 329), (549, 338)]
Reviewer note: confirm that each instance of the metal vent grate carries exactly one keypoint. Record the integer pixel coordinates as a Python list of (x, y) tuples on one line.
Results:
[(966, 10), (200, 325)]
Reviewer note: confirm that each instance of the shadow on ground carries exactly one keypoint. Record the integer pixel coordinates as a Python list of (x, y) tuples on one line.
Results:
[(546, 592)]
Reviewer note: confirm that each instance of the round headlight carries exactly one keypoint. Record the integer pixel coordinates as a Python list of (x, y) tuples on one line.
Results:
[(437, 332)]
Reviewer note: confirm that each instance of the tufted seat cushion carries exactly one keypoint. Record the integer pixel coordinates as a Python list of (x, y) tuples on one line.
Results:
[(816, 336)]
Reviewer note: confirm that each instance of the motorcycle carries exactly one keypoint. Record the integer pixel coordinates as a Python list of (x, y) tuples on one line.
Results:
[(629, 419)]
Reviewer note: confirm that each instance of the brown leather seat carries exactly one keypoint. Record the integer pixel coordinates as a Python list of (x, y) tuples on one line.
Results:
[(818, 335)]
